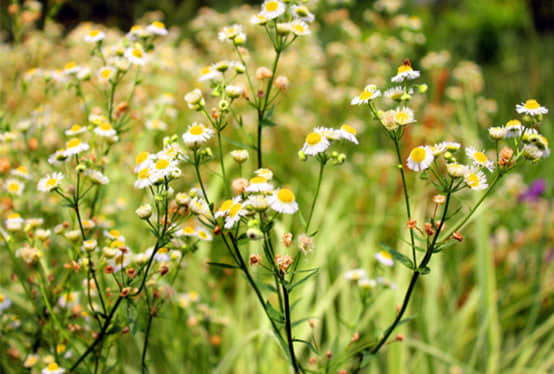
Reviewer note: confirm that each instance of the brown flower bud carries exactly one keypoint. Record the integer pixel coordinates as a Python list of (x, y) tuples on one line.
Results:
[(399, 338), (412, 223), (255, 259), (131, 273), (457, 236), (125, 292), (439, 199), (109, 269), (217, 230), (429, 229)]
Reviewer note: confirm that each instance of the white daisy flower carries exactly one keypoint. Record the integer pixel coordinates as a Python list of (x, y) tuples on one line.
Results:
[(106, 73), (234, 91), (531, 107), (209, 73), (71, 68), (30, 361), (156, 28), (420, 158), (456, 170), (161, 256), (367, 283), (163, 167), (404, 116), (302, 13), (171, 151), (384, 258), (476, 179), (370, 92), (136, 32), (233, 215), (405, 72), (136, 55), (97, 119), (186, 231), (259, 19), (204, 234), (14, 186), (498, 132), (120, 261), (50, 182), (21, 171), (451, 146), (105, 130), (197, 134), (94, 36), (395, 93), (76, 129), (114, 235), (199, 207), (479, 158), (264, 173), (4, 303), (145, 178), (256, 202), (349, 133), (144, 211), (283, 201), (514, 128), (194, 98), (74, 147), (14, 222), (532, 152), (97, 177), (240, 155), (225, 206), (300, 28), (156, 124), (53, 368), (315, 143), (68, 300), (229, 32), (272, 9), (355, 274), (143, 159), (259, 184)]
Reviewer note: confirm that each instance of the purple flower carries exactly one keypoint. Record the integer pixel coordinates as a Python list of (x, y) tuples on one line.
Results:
[(535, 190)]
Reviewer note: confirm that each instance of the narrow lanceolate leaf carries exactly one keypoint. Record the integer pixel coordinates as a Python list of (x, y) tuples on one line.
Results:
[(275, 315), (223, 265), (399, 256), (295, 284), (310, 345)]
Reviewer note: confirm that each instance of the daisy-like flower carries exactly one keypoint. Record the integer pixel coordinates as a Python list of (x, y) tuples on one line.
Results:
[(53, 368), (50, 182), (197, 134), (156, 124), (420, 158), (14, 222), (349, 133), (367, 283), (395, 93), (272, 9), (225, 206), (94, 36), (68, 300), (283, 201), (209, 73), (4, 303), (403, 116), (74, 147), (143, 159), (370, 92), (260, 185), (194, 98), (302, 13), (456, 170), (384, 258), (239, 155), (234, 91), (156, 28), (451, 146), (105, 130), (256, 202), (136, 55), (514, 128), (97, 177), (76, 129), (106, 73), (531, 107), (264, 173), (203, 234), (136, 32), (71, 68), (120, 261), (479, 158), (14, 186), (186, 231), (476, 179), (229, 32), (163, 168), (144, 211), (498, 133), (405, 72), (233, 215), (200, 207), (355, 274), (30, 361), (300, 28), (22, 172), (315, 143), (145, 177), (114, 235), (259, 19)]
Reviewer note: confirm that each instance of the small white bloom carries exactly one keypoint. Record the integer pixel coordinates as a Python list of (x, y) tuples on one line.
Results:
[(315, 143), (355, 274), (156, 28), (479, 158), (272, 9), (94, 36), (370, 92), (50, 182), (476, 179), (531, 107), (259, 185), (197, 134), (14, 186), (283, 201), (420, 158), (74, 147), (384, 258)]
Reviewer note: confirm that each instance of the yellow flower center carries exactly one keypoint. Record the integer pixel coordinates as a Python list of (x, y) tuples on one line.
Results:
[(94, 33), (68, 297), (188, 230), (205, 70), (480, 157), (136, 28), (53, 366), (137, 52), (473, 180), (75, 128), (163, 250), (144, 173), (141, 157), (532, 104), (299, 28), (271, 6), (70, 65), (2, 299), (114, 233), (226, 205), (119, 259), (158, 24), (418, 154), (162, 164), (235, 209), (51, 182), (313, 138), (73, 143), (13, 187), (513, 123), (196, 130), (117, 244), (285, 195), (13, 216), (105, 126), (258, 180), (349, 129), (385, 255), (202, 234), (60, 348), (366, 95), (404, 68), (106, 73), (22, 169), (401, 117)]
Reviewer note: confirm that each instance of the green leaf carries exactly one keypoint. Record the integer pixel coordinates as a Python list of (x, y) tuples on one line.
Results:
[(238, 144), (268, 123), (444, 245), (424, 270), (295, 284), (223, 265), (310, 345), (407, 319), (274, 314), (399, 256)]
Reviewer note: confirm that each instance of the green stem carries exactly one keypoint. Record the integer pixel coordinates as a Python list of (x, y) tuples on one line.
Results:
[(316, 195), (288, 328)]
